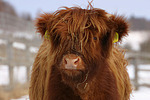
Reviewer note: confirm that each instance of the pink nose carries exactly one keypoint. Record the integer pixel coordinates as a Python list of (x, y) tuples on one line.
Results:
[(72, 62)]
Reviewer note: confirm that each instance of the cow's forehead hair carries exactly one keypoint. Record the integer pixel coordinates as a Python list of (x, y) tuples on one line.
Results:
[(77, 20)]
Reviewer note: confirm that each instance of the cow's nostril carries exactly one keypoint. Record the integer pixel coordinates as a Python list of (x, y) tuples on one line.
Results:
[(65, 61), (71, 61), (76, 61)]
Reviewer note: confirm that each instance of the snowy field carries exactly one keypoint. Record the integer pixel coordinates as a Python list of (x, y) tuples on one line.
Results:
[(142, 94), (22, 98), (144, 78), (20, 75)]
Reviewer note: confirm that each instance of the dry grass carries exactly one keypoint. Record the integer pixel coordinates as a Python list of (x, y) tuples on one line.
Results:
[(18, 91)]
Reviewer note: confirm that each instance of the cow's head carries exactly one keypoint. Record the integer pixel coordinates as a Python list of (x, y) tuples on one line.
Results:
[(81, 40)]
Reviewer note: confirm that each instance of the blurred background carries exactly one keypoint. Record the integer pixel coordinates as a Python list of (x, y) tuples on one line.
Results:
[(19, 42)]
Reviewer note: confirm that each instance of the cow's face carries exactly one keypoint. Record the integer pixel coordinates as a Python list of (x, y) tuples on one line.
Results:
[(80, 39), (77, 52)]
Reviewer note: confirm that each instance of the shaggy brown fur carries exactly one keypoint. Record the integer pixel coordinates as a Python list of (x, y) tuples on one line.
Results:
[(87, 34)]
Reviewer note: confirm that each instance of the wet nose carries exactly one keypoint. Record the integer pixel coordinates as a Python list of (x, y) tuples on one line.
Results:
[(72, 62)]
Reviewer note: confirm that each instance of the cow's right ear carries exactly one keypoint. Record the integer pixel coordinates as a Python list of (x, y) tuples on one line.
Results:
[(120, 25), (42, 22)]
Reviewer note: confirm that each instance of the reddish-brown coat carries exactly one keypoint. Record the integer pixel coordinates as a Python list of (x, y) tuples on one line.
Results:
[(87, 34)]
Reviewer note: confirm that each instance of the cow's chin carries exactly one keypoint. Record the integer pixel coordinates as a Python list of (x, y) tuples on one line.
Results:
[(73, 76)]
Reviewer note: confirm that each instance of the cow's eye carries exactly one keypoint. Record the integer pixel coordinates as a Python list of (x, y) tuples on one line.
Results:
[(56, 40), (95, 38)]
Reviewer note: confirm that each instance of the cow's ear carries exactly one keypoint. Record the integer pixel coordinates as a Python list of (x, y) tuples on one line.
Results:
[(41, 23), (120, 26)]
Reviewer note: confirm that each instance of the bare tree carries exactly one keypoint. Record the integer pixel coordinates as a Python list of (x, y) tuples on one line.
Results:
[(145, 46), (26, 16), (7, 8), (139, 23)]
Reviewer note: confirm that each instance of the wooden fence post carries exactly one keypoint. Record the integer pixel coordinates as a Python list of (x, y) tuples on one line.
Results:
[(136, 73), (28, 73), (28, 62), (9, 59)]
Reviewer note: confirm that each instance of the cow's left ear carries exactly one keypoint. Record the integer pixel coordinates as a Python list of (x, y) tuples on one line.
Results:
[(42, 22), (120, 26)]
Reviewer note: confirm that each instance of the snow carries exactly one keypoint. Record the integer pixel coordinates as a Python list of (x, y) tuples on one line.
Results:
[(4, 75), (144, 67), (135, 38), (19, 34), (2, 41), (19, 45), (142, 94), (144, 76), (130, 70), (19, 74), (25, 35), (33, 49), (22, 98)]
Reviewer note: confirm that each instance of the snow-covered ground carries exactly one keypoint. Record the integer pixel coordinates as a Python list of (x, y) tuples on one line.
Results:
[(144, 77), (20, 75), (135, 38), (21, 46), (25, 35), (22, 98), (142, 94)]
